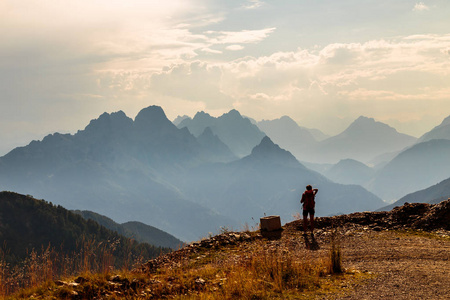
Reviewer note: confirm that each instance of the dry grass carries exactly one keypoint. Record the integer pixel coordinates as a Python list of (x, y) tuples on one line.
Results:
[(48, 264), (259, 269)]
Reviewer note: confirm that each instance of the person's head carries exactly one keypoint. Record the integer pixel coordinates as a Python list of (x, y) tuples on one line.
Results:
[(308, 187)]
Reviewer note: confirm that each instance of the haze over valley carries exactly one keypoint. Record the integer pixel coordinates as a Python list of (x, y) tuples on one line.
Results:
[(206, 173)]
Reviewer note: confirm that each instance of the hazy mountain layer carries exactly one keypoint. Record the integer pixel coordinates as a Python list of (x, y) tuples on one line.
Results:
[(237, 132), (433, 194), (150, 171), (350, 171), (439, 132), (270, 181), (286, 133), (363, 140), (416, 168), (136, 230), (119, 168)]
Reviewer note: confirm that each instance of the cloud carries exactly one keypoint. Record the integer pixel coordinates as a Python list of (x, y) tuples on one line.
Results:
[(420, 7), (252, 4), (370, 78), (239, 37), (234, 47)]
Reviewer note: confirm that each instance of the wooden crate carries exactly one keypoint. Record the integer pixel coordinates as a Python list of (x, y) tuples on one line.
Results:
[(270, 223)]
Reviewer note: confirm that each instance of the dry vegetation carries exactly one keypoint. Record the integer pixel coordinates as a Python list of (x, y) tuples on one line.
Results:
[(228, 266), (368, 256)]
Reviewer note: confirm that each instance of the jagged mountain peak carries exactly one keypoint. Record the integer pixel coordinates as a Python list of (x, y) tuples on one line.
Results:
[(365, 123), (152, 117), (202, 115), (268, 150), (288, 119), (106, 121), (207, 132), (106, 125), (180, 119), (232, 114)]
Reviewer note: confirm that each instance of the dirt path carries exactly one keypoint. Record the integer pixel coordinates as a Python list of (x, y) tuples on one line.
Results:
[(404, 266)]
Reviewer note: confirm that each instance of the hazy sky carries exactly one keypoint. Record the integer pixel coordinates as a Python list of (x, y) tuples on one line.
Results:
[(322, 62)]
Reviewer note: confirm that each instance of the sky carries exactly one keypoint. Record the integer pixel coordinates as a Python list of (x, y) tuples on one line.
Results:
[(324, 63)]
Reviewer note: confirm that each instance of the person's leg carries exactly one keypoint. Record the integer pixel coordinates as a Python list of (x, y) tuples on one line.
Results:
[(311, 215), (305, 221)]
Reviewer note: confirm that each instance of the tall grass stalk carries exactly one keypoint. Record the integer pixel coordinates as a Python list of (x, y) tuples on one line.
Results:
[(48, 264)]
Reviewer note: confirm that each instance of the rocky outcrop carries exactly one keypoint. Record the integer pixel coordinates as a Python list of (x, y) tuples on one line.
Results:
[(422, 216)]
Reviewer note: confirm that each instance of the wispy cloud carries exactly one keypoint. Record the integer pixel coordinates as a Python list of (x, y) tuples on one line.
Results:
[(252, 4), (239, 37), (234, 47), (420, 7)]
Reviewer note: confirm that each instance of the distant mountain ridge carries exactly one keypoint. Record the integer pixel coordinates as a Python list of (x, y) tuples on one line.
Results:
[(270, 181), (363, 140), (141, 232), (119, 168), (416, 168), (433, 195), (149, 170), (286, 133), (441, 131), (350, 171), (237, 132)]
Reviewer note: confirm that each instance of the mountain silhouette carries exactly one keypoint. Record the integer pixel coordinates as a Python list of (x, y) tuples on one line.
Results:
[(270, 181), (433, 195), (350, 171), (237, 132), (150, 171), (210, 141), (416, 168), (119, 168), (441, 131), (286, 133), (136, 230), (363, 140)]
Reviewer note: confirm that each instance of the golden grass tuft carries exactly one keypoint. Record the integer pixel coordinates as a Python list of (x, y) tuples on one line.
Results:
[(257, 269)]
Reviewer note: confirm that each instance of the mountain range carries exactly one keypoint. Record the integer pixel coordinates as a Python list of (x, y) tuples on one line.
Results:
[(270, 181), (223, 173), (119, 168), (237, 132)]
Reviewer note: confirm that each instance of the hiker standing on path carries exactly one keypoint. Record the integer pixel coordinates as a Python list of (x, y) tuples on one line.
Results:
[(308, 207)]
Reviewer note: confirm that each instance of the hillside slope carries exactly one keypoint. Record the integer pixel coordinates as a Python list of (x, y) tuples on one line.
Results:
[(28, 224), (136, 230)]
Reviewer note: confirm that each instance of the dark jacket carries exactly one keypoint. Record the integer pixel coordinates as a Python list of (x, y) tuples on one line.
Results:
[(308, 199)]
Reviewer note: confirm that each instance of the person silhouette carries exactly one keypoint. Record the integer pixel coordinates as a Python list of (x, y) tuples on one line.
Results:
[(309, 203)]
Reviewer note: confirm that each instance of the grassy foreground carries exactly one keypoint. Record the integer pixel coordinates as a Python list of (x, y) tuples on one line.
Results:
[(227, 266)]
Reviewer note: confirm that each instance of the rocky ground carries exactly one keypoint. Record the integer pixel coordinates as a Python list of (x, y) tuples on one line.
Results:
[(406, 251), (401, 254)]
